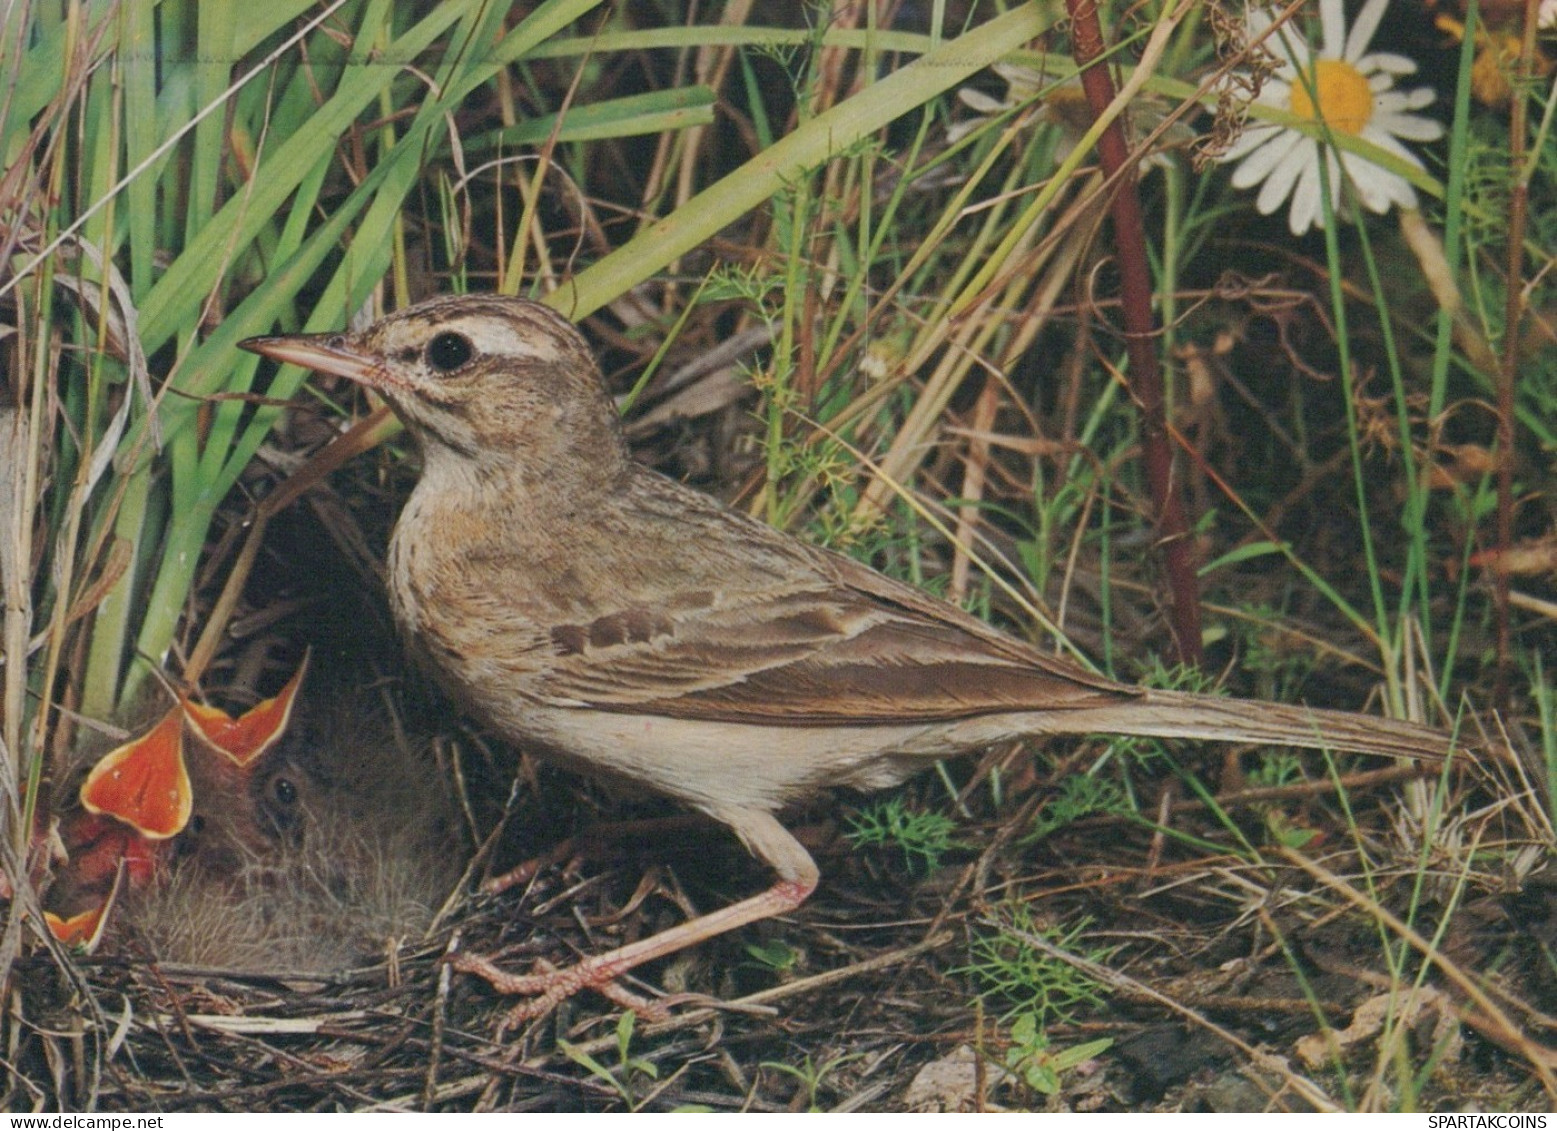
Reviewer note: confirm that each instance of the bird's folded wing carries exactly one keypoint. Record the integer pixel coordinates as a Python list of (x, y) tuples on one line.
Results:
[(832, 653)]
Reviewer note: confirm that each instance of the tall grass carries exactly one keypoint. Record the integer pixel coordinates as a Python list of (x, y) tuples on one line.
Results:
[(180, 176), (942, 389)]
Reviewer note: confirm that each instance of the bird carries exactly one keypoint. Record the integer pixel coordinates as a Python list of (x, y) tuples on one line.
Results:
[(624, 625), (328, 850)]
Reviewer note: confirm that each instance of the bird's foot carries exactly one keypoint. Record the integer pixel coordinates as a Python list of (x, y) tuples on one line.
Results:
[(545, 988), (550, 986)]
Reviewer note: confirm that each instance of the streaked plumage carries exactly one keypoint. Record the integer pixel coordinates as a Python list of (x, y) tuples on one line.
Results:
[(626, 625)]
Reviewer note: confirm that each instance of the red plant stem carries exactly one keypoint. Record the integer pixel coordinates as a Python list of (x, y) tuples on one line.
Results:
[(1140, 335), (1513, 313)]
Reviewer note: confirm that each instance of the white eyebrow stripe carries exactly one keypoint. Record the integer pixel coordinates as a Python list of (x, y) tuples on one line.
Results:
[(510, 338), (541, 346)]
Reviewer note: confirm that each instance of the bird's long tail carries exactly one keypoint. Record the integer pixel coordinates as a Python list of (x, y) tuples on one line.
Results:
[(1174, 714)]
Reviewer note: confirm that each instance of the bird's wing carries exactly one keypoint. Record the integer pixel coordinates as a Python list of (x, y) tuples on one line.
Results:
[(838, 643)]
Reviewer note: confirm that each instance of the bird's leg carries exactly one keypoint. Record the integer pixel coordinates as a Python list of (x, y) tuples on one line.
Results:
[(768, 840)]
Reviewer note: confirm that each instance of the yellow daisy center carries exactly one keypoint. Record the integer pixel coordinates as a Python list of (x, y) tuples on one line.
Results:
[(1345, 99)]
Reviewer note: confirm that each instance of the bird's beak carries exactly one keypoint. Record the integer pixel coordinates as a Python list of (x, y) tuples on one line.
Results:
[(326, 353)]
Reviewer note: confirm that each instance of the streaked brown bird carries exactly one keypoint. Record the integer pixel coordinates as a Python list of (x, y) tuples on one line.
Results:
[(627, 626)]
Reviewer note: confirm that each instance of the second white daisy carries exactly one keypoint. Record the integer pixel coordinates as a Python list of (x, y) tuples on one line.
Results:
[(1353, 92)]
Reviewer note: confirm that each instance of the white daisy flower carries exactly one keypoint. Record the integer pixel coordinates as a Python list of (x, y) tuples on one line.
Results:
[(1352, 92)]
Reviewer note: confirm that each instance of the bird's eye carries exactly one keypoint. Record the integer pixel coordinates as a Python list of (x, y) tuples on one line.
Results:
[(284, 791), (448, 351), (279, 807)]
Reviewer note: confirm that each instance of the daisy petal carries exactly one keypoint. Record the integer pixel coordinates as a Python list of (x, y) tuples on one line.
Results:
[(1387, 143), (1279, 183), (1362, 31), (1305, 201), (1367, 182), (1409, 126), (1378, 190), (1332, 23), (981, 103), (1292, 51), (1258, 165), (1386, 99), (1387, 62), (1252, 139), (1277, 92)]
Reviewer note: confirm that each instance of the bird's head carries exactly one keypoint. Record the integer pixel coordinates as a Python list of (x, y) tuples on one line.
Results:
[(479, 377)]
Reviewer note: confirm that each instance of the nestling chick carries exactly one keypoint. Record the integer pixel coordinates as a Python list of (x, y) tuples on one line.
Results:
[(338, 843)]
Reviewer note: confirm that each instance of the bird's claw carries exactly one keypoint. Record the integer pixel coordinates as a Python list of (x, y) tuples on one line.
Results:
[(549, 986)]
